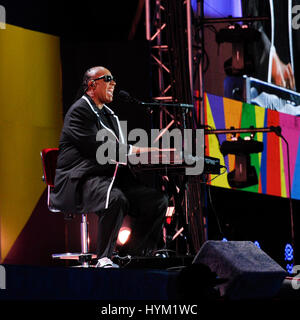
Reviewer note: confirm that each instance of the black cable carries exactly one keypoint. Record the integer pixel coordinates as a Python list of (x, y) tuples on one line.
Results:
[(218, 175), (290, 190), (214, 211), (209, 193), (212, 28)]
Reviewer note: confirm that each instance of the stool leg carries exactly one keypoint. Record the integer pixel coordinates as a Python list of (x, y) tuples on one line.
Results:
[(84, 234), (84, 257), (84, 237)]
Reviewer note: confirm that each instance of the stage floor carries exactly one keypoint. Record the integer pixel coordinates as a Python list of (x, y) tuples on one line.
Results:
[(144, 278), (137, 291)]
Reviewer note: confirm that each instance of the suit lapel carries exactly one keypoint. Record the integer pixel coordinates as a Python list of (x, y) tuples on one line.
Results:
[(116, 124), (110, 113), (114, 121)]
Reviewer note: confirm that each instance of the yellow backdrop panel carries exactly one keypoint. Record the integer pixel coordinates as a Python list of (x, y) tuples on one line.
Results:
[(31, 119)]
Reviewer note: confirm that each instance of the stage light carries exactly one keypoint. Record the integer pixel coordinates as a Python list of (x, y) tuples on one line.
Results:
[(257, 244), (289, 268), (168, 220), (124, 235), (244, 175), (169, 214), (289, 257), (288, 252), (239, 36)]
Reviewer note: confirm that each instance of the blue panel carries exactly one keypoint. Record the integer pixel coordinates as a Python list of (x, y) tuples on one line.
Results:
[(296, 178), (220, 8)]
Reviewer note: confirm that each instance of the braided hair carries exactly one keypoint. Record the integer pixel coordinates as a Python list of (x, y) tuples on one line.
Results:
[(84, 84)]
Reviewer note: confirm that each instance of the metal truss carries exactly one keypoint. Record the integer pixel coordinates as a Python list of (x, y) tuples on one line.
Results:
[(155, 34), (155, 16), (156, 28)]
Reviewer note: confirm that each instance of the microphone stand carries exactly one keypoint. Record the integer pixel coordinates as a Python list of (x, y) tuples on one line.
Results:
[(158, 104), (277, 131)]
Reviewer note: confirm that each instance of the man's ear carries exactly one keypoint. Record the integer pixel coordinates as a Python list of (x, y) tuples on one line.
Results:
[(91, 83)]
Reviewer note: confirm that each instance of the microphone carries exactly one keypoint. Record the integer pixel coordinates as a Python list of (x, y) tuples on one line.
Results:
[(277, 130), (126, 97)]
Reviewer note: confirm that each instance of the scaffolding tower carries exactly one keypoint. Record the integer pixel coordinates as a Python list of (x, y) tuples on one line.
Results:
[(157, 18)]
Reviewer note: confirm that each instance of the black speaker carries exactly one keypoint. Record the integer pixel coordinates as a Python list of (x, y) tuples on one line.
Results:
[(250, 272)]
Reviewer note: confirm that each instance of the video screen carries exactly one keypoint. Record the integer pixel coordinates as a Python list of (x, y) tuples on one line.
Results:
[(263, 47), (255, 64)]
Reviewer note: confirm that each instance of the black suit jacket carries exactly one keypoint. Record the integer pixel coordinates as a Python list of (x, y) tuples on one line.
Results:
[(77, 153)]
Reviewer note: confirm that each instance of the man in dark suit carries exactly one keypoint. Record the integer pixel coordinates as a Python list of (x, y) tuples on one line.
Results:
[(82, 185)]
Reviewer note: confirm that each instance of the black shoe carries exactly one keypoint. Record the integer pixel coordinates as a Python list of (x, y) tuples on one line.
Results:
[(122, 261)]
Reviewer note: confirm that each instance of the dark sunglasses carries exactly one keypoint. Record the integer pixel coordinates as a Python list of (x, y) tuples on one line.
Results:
[(106, 78)]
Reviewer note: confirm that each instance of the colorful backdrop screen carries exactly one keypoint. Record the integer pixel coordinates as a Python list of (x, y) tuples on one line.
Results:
[(272, 164)]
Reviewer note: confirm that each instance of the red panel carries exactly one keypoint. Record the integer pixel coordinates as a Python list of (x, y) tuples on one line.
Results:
[(206, 151), (273, 156)]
